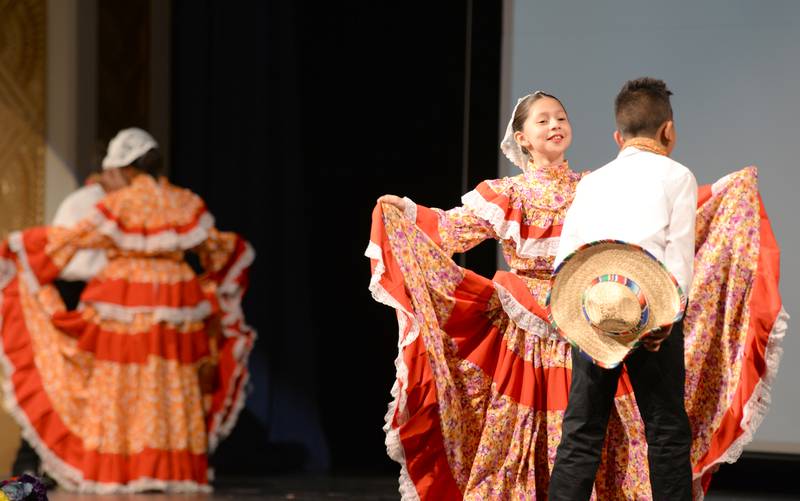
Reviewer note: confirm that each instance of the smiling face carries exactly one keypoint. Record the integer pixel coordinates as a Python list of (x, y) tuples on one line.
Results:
[(546, 133)]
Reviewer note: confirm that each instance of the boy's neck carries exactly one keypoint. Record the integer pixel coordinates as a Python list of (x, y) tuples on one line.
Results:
[(646, 144)]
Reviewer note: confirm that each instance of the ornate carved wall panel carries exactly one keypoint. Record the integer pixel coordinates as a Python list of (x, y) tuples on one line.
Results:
[(22, 139), (22, 113)]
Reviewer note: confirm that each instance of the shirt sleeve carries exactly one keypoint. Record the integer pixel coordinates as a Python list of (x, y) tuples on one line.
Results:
[(85, 264), (77, 205), (65, 214), (679, 249)]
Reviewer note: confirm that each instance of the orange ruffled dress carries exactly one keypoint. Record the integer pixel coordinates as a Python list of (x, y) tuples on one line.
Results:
[(482, 381), (109, 395)]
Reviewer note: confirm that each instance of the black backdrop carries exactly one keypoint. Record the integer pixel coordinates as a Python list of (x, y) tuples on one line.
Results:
[(290, 119)]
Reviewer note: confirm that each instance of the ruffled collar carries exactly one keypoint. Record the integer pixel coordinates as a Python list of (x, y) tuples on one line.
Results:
[(550, 187), (556, 172)]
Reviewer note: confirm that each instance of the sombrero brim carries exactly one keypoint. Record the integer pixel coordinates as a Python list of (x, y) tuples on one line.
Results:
[(574, 275)]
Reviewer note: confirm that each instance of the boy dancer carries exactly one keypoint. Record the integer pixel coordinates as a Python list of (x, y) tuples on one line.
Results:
[(645, 198)]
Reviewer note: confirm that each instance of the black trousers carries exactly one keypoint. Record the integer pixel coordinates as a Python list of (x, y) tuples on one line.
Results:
[(658, 380), (27, 461)]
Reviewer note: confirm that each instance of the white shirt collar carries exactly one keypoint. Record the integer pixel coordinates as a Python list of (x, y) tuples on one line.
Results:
[(628, 151)]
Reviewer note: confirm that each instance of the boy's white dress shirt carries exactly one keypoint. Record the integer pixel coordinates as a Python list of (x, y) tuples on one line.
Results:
[(86, 263), (641, 198)]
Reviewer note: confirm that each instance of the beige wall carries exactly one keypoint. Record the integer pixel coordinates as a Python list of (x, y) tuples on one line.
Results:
[(71, 107)]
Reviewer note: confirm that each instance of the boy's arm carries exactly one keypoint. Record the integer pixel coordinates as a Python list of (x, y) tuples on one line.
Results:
[(679, 251)]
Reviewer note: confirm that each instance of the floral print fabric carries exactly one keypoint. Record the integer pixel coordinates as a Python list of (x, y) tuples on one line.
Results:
[(488, 394)]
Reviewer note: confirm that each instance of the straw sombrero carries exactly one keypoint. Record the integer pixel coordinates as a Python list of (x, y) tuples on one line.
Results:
[(607, 296)]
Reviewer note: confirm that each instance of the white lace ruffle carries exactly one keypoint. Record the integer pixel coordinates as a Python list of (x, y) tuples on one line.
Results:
[(230, 296), (410, 211), (720, 183), (8, 270), (229, 284), (16, 244), (141, 485), (539, 247), (231, 306), (758, 404), (408, 492), (522, 317), (408, 331), (164, 241), (175, 316), (509, 146), (509, 230), (222, 425), (62, 472)]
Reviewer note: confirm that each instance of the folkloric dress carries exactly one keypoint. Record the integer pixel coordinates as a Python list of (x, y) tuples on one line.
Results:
[(109, 394), (482, 381)]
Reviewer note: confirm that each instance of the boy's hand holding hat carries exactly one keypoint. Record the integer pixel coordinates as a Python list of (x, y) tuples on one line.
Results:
[(608, 297)]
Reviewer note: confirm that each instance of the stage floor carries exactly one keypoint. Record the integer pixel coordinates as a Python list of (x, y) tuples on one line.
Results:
[(298, 488), (328, 489)]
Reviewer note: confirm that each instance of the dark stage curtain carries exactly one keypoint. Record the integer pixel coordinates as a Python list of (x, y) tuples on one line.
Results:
[(290, 119), (236, 142)]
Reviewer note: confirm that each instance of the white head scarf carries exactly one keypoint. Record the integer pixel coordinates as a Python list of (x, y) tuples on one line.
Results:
[(509, 146), (127, 146)]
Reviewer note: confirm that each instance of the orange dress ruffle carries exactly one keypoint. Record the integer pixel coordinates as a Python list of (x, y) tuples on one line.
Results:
[(108, 395)]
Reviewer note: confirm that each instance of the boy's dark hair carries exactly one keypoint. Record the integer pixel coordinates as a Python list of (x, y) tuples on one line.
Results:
[(150, 162), (642, 106)]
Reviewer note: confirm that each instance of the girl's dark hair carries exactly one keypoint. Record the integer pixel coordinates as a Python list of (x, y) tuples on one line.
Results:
[(150, 163), (524, 109)]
